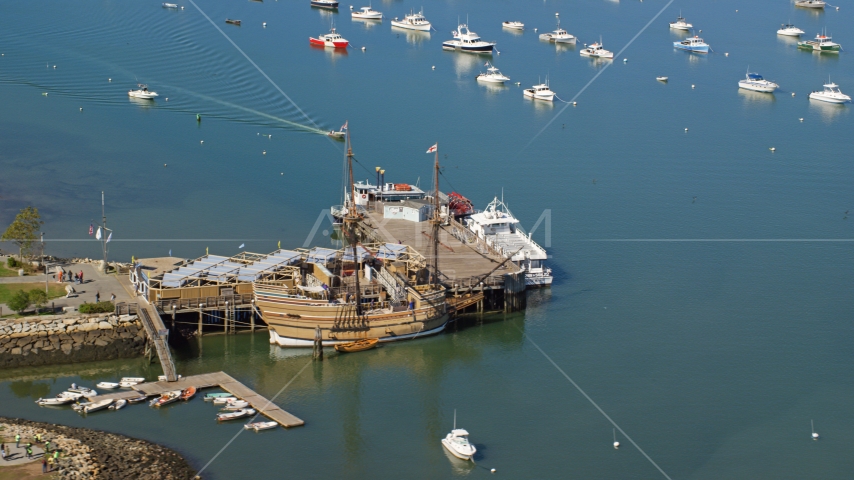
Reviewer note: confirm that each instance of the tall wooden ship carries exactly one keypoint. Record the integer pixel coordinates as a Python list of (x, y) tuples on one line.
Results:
[(385, 292)]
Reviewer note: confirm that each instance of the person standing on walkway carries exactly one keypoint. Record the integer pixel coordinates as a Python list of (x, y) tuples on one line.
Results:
[(112, 297), (81, 277), (3, 454), (97, 297), (29, 452), (47, 446), (44, 465), (59, 275), (18, 440)]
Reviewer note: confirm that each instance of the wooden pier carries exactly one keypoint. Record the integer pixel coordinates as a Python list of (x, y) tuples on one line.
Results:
[(207, 380)]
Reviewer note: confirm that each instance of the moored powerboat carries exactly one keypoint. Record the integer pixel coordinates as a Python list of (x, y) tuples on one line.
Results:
[(235, 405), (367, 13), (166, 398), (558, 36), (120, 404), (810, 3), (54, 401), (224, 400), (457, 442), (107, 385), (790, 30), (413, 21), (540, 92), (332, 39), (188, 393), (755, 82), (467, 41), (830, 94), (258, 426), (212, 396), (513, 25), (90, 407), (246, 412), (681, 23), (492, 75), (170, 5), (142, 92), (822, 43), (693, 44), (137, 399), (596, 50), (330, 4)]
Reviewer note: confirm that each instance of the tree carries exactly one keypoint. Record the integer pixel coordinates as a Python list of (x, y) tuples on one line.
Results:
[(37, 298), (19, 301), (23, 230)]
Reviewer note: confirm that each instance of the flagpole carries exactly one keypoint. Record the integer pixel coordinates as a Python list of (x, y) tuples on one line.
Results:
[(104, 237)]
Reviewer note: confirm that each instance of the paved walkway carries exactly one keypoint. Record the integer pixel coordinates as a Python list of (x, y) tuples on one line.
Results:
[(94, 282), (18, 455)]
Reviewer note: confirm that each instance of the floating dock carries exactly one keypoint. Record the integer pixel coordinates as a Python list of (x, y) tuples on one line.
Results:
[(207, 380)]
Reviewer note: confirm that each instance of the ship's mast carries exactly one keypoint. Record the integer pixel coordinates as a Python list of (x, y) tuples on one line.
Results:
[(350, 221)]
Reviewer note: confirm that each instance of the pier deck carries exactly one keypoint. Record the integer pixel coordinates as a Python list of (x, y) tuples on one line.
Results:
[(207, 380)]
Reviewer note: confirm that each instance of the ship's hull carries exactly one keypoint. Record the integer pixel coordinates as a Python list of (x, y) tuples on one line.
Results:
[(294, 342), (485, 48), (410, 26)]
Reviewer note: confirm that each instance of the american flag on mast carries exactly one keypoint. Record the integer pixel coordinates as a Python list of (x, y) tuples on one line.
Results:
[(434, 148), (344, 127), (91, 229)]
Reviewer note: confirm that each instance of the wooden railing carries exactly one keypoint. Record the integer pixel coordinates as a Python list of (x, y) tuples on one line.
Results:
[(166, 304)]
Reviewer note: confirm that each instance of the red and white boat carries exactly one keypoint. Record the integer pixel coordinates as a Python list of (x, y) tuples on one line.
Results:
[(331, 39)]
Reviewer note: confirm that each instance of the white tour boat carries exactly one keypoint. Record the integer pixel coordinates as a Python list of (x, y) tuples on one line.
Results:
[(513, 25), (142, 92), (681, 24), (755, 82), (810, 3), (558, 36), (540, 92), (457, 442), (500, 229), (596, 50), (367, 13), (54, 401), (332, 40), (830, 94), (467, 41), (492, 75), (413, 21), (790, 30), (258, 426)]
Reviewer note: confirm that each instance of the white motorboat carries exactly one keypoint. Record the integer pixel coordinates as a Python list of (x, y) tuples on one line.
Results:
[(597, 51), (246, 412), (467, 41), (413, 21), (558, 36), (367, 13), (120, 404), (329, 4), (162, 378), (810, 3), (212, 396), (501, 230), (138, 399), (492, 75), (125, 384), (142, 92), (54, 401), (71, 395), (107, 385), (234, 406), (166, 398), (790, 30), (90, 407), (170, 5), (662, 79), (540, 92), (131, 379), (830, 94), (693, 44), (457, 442), (513, 25), (258, 426), (681, 24), (755, 82), (223, 400), (332, 39)]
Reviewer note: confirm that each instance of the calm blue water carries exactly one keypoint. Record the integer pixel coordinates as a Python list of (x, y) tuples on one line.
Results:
[(712, 356)]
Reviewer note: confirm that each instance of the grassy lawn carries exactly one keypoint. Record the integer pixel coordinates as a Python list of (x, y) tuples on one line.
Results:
[(8, 289), (7, 272)]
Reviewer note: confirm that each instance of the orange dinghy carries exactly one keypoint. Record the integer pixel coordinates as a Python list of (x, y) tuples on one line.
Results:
[(357, 346), (188, 393)]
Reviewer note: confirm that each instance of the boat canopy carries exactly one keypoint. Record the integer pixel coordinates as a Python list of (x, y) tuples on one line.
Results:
[(459, 432), (754, 76), (214, 265)]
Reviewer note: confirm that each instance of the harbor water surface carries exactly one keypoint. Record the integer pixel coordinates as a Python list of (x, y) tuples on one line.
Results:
[(703, 282)]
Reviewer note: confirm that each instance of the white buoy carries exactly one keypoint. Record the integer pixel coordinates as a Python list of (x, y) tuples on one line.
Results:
[(557, 14), (616, 443), (692, 85), (814, 433), (492, 470), (793, 94), (45, 94), (109, 79), (801, 119), (264, 152), (535, 30), (283, 174), (167, 99), (351, 7), (686, 129), (625, 60), (363, 49), (726, 54), (164, 164), (574, 103), (202, 142), (264, 24), (773, 149), (81, 109), (434, 67)]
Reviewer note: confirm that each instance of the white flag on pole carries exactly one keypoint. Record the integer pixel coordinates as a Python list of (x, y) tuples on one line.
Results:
[(433, 148), (98, 233), (109, 237), (241, 245)]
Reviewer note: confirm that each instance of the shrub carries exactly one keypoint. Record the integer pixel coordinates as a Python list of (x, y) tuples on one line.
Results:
[(37, 297), (19, 301), (12, 262), (100, 307)]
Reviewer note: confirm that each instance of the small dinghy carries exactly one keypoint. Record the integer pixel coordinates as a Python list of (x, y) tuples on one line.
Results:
[(246, 412), (513, 25), (166, 398), (71, 395), (90, 407), (54, 401), (131, 380), (661, 79), (235, 406), (258, 426), (138, 399), (224, 400), (212, 396), (357, 346), (188, 393), (232, 22), (162, 378), (107, 385), (170, 5), (120, 404)]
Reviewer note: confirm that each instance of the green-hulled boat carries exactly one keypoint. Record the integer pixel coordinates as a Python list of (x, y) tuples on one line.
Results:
[(822, 43)]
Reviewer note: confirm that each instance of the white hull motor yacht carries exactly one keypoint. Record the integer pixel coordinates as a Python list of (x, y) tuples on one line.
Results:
[(142, 92), (467, 41), (492, 75), (500, 229), (790, 30), (540, 92), (367, 13), (330, 4), (681, 24), (413, 21), (830, 94), (513, 25), (597, 51), (558, 36), (457, 442), (755, 82), (810, 3)]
